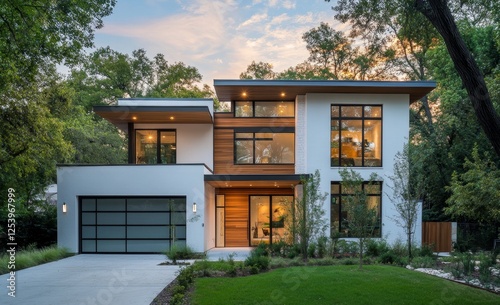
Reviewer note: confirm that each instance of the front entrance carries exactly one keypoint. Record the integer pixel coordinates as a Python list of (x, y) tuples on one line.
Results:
[(247, 217), (267, 218)]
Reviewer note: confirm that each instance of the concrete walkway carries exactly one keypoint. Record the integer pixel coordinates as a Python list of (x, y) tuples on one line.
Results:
[(91, 279), (239, 254)]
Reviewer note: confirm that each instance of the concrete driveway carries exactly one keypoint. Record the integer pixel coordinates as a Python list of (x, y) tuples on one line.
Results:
[(91, 279)]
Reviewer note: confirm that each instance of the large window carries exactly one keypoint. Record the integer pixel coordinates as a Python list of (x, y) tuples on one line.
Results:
[(264, 147), (356, 136), (340, 210), (155, 146), (264, 109)]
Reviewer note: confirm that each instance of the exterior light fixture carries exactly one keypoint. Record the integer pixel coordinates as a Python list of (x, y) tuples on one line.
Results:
[(172, 118), (64, 207), (134, 118), (194, 207)]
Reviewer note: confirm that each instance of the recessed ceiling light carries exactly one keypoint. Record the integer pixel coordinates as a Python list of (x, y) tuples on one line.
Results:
[(244, 94), (282, 93), (171, 118), (134, 118)]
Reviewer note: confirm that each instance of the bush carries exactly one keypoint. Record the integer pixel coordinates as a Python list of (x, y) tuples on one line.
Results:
[(388, 258), (425, 250), (322, 246), (423, 262), (484, 268), (376, 248), (177, 252), (258, 258), (30, 257), (311, 251), (186, 276)]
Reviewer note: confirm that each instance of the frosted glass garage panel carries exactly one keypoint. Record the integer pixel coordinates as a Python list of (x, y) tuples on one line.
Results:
[(88, 204), (111, 218), (110, 245), (148, 232), (148, 204), (111, 204), (147, 245), (88, 232), (148, 218), (179, 218), (88, 246), (88, 218), (111, 232), (180, 232)]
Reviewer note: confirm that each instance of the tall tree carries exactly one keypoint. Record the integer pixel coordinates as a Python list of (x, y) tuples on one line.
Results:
[(260, 70)]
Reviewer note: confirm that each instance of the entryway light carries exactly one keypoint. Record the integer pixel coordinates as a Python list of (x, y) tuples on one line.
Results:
[(64, 207), (194, 207)]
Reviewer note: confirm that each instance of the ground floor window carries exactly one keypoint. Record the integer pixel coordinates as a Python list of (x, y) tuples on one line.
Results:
[(339, 210), (131, 224), (268, 215)]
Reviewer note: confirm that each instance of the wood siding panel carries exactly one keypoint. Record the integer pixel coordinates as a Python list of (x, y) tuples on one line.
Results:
[(231, 122), (224, 158), (438, 235), (237, 214)]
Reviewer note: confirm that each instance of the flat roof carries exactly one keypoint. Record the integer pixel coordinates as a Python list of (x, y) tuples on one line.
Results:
[(121, 115), (243, 89)]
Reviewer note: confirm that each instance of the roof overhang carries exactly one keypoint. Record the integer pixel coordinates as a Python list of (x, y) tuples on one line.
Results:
[(231, 90), (121, 115), (254, 181)]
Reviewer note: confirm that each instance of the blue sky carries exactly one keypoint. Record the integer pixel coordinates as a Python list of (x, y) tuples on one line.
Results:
[(219, 37)]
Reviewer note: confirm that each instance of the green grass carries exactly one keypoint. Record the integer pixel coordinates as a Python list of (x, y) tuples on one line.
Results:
[(338, 285), (32, 257)]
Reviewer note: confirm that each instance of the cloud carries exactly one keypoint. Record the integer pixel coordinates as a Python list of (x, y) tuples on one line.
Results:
[(254, 19)]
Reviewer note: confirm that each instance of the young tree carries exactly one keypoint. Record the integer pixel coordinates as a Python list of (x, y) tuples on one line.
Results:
[(306, 220), (361, 218), (404, 196)]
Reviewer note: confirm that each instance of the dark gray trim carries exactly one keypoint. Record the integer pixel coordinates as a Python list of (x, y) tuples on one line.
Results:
[(324, 83), (150, 108), (228, 178)]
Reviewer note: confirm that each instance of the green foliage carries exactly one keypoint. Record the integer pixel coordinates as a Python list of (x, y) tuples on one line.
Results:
[(31, 257), (258, 260), (177, 252), (475, 194), (376, 247), (423, 262)]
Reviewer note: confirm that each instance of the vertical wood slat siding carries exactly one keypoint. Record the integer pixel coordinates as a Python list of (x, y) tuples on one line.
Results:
[(237, 213), (438, 235), (224, 158)]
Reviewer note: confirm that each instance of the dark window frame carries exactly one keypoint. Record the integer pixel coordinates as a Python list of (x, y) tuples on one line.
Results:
[(363, 119), (338, 202), (284, 130), (158, 144)]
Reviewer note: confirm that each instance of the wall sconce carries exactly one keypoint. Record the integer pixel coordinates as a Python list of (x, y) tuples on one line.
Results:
[(64, 207), (194, 207)]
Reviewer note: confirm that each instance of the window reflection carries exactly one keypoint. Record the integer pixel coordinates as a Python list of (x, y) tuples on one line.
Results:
[(148, 151), (262, 148)]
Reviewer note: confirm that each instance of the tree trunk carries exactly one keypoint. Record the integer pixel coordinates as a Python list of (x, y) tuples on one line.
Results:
[(438, 13)]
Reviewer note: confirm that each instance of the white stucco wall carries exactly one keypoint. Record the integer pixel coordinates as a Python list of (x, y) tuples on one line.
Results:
[(194, 141), (209, 221), (130, 180), (395, 131)]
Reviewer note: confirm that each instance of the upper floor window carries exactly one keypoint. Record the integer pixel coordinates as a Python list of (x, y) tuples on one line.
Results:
[(356, 135), (264, 147), (155, 146), (263, 109)]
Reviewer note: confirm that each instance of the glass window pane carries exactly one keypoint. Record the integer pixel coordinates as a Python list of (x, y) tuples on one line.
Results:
[(168, 147), (145, 148), (243, 109), (110, 232), (88, 204), (88, 232), (335, 188), (244, 135), (372, 143), (178, 204), (148, 232), (274, 109), (350, 138), (335, 215), (110, 218), (110, 204), (88, 218), (111, 246), (147, 204), (180, 232), (147, 245), (373, 111), (148, 218), (244, 151), (88, 246), (373, 189), (351, 111), (335, 111)]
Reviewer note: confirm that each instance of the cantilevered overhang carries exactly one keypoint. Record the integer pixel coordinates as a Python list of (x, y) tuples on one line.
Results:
[(121, 115), (253, 181), (231, 90)]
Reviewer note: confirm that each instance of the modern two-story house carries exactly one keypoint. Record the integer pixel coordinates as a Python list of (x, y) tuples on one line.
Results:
[(223, 179)]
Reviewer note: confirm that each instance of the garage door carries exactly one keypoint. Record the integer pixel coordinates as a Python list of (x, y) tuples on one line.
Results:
[(131, 224)]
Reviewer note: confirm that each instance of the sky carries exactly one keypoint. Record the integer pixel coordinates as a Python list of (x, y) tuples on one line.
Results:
[(218, 37)]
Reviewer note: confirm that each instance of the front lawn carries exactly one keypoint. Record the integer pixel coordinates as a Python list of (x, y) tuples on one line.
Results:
[(337, 285)]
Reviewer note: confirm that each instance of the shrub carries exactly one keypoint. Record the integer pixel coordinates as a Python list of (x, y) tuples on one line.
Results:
[(177, 252), (186, 276), (322, 246), (31, 256), (376, 248), (423, 262), (388, 258), (484, 268), (425, 250), (311, 251)]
